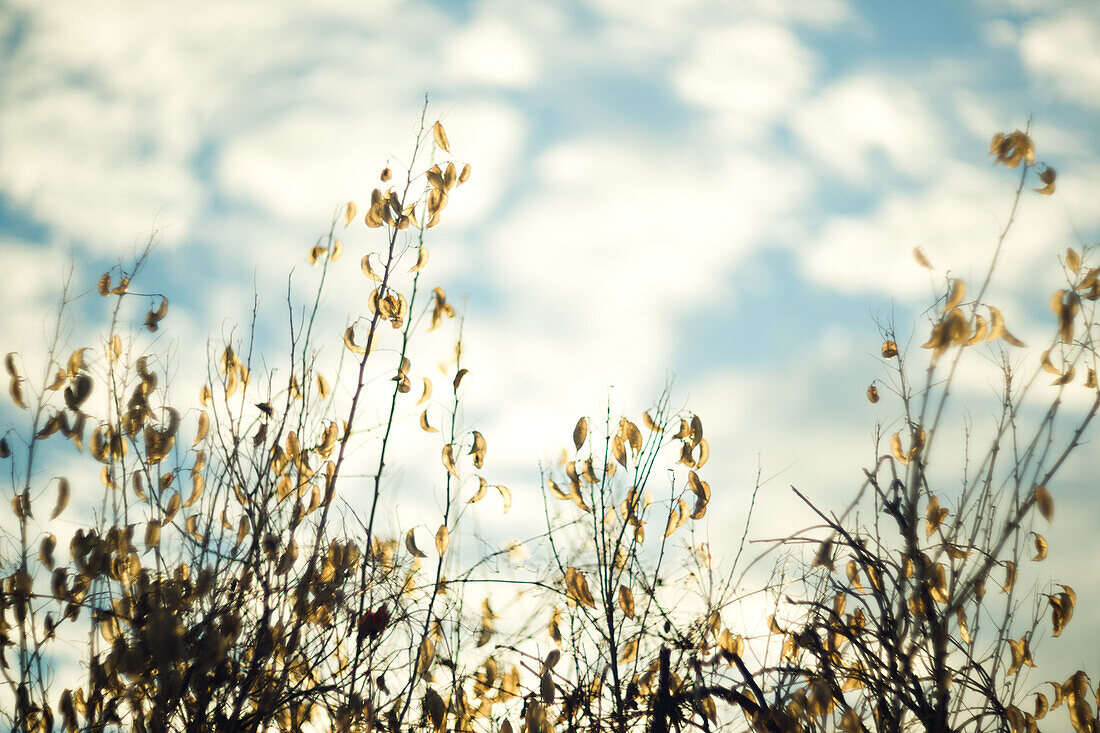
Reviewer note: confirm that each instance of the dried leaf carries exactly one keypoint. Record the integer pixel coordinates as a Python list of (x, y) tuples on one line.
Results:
[(1045, 503), (580, 432), (1041, 548), (918, 255), (483, 487), (368, 270), (506, 496), (440, 136), (872, 394), (449, 460), (350, 213), (889, 349), (955, 297), (63, 492), (410, 544), (626, 601), (421, 260), (424, 423), (442, 539)]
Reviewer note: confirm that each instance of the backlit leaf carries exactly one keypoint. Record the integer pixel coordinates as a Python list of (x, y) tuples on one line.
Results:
[(350, 212), (506, 496), (63, 491), (1045, 503), (918, 255), (440, 137), (580, 432), (410, 544), (626, 601), (1041, 547), (482, 489), (449, 460), (889, 349), (442, 539), (424, 423), (955, 297)]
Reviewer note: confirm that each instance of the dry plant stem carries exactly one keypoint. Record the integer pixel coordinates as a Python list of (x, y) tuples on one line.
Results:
[(447, 506)]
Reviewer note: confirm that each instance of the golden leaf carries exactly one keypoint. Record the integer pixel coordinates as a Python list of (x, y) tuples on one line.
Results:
[(482, 488), (872, 394), (1021, 654), (1041, 548), (918, 255), (367, 270), (506, 496), (173, 506), (349, 341), (442, 539), (425, 656), (426, 394), (1047, 178), (464, 175), (1010, 576), (198, 482), (895, 449), (449, 460), (580, 432), (626, 601), (1045, 503), (350, 212), (410, 544), (424, 423), (889, 349), (980, 331), (629, 652), (1073, 260), (421, 260), (958, 292), (440, 136), (62, 497), (15, 389), (152, 535), (964, 631), (576, 587), (852, 570)]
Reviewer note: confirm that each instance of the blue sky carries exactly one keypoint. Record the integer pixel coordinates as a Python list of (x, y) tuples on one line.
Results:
[(722, 193)]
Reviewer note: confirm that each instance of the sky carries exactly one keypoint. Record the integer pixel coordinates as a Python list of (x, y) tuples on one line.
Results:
[(723, 196)]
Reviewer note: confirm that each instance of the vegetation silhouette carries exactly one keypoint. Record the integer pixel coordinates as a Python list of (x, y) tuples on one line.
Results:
[(224, 581)]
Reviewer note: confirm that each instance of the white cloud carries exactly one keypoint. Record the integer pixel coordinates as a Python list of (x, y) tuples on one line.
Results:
[(858, 119), (956, 220), (491, 51), (751, 73), (1063, 51)]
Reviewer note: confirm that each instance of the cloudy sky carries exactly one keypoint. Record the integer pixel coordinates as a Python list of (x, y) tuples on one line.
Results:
[(724, 195)]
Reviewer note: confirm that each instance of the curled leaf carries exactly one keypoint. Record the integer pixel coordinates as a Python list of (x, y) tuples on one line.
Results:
[(410, 544)]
